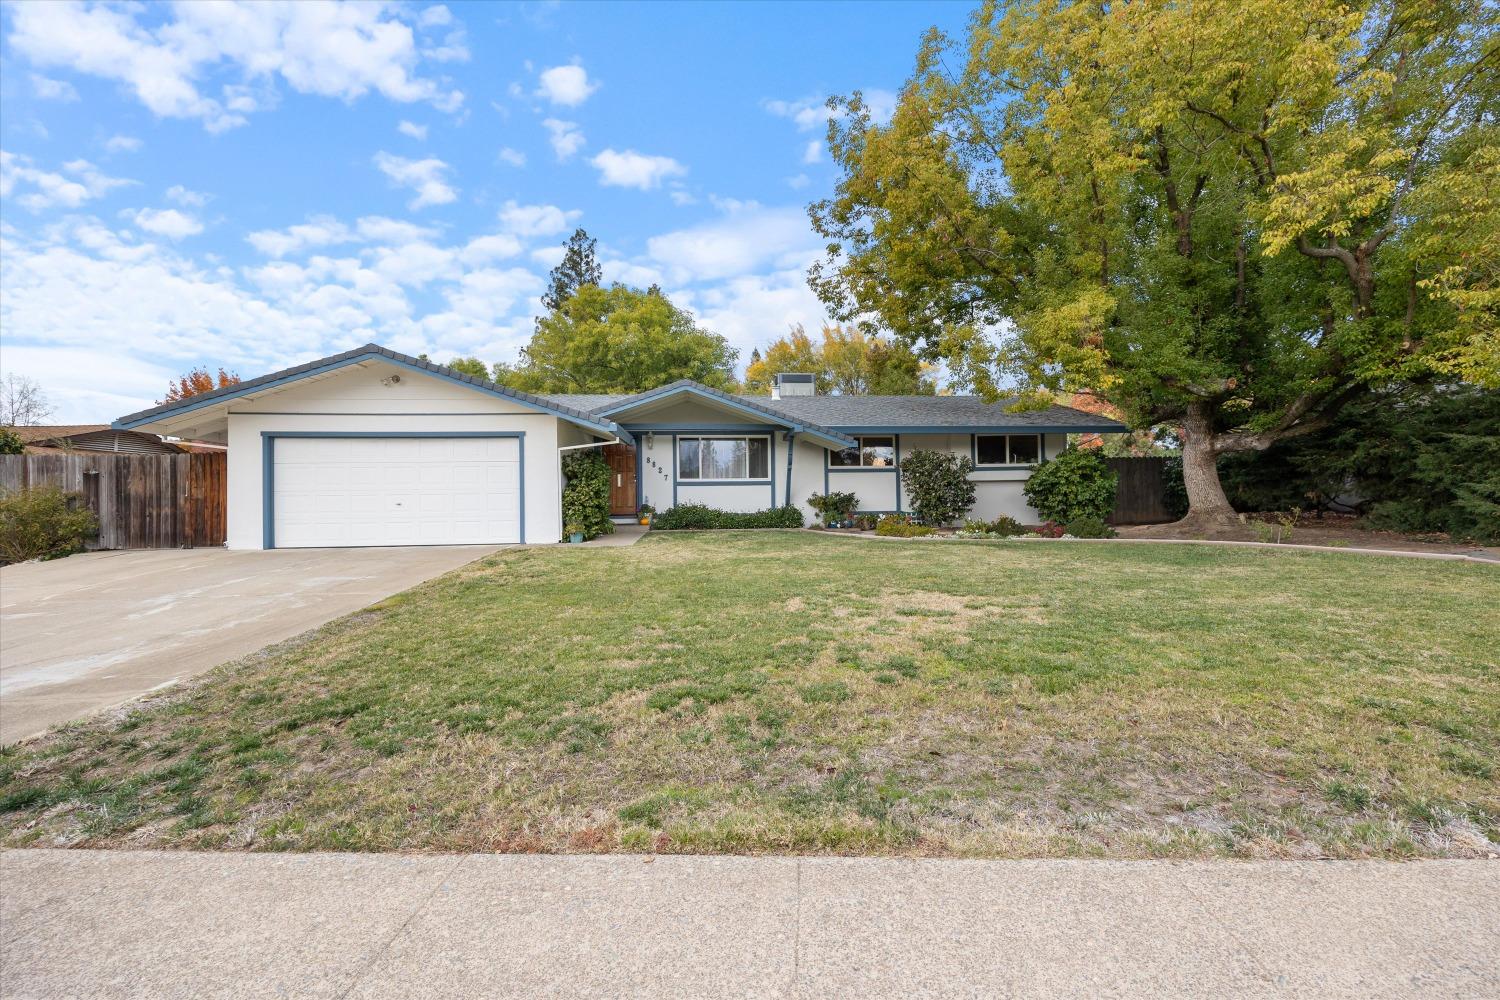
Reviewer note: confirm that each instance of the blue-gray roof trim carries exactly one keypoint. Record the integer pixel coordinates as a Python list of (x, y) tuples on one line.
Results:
[(368, 352), (687, 386)]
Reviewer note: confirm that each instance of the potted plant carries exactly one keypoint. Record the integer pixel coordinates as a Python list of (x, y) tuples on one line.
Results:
[(645, 513), (575, 533), (836, 509)]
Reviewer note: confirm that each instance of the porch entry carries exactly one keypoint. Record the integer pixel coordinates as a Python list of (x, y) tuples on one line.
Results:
[(622, 497)]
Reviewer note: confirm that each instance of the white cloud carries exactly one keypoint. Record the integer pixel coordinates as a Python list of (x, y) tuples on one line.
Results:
[(379, 229), (182, 196), (747, 239), (681, 197), (813, 152), (425, 177), (548, 257), (418, 132), (635, 170), (566, 137), (484, 249), (343, 50), (536, 220), (318, 232), (45, 189), (813, 112), (436, 16), (568, 86), (514, 157), (53, 90), (122, 144), (168, 222), (751, 310), (798, 182)]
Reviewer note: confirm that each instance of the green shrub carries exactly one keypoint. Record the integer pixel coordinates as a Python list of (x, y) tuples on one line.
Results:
[(834, 506), (896, 526), (11, 443), (698, 517), (1075, 484), (585, 499), (938, 484), (1089, 527), (1006, 527), (43, 523)]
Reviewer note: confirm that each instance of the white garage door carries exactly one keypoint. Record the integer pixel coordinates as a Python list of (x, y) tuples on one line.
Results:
[(396, 491)]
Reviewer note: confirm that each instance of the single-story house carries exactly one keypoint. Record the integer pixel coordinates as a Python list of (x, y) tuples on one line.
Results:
[(372, 447), (58, 439)]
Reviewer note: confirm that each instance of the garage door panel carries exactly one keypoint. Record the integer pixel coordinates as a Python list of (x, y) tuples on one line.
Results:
[(396, 491)]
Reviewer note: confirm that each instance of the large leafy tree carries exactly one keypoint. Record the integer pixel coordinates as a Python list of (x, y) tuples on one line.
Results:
[(618, 339), (847, 360), (1230, 218), (578, 267)]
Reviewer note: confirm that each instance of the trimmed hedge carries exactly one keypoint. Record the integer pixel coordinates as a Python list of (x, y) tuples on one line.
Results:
[(698, 517), (895, 526)]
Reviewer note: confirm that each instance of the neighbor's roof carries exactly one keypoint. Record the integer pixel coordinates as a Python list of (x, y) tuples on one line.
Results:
[(358, 354), (31, 433), (853, 413)]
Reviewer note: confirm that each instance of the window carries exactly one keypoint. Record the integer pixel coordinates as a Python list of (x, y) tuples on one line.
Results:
[(705, 458), (872, 453), (1007, 449)]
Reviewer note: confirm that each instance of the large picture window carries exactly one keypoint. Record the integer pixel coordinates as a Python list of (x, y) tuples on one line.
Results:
[(712, 458), (872, 453), (1007, 449)]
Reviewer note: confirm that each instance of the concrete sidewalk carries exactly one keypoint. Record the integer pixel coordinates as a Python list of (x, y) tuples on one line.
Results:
[(139, 924)]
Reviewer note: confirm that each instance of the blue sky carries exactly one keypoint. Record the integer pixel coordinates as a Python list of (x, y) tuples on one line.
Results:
[(257, 185)]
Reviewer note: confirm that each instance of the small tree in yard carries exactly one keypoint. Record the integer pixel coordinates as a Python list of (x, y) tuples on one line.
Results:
[(1075, 484), (585, 500), (939, 485)]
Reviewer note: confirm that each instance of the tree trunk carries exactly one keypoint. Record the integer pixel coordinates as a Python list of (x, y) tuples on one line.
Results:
[(1208, 507)]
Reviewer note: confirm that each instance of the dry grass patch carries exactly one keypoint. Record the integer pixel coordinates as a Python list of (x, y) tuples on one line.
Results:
[(787, 692)]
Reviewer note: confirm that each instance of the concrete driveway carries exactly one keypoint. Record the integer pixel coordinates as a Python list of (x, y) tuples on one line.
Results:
[(88, 632)]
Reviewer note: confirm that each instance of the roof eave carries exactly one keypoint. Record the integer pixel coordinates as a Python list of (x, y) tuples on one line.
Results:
[(372, 352), (793, 425)]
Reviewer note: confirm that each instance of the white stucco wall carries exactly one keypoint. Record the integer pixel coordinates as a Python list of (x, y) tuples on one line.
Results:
[(996, 491), (353, 399)]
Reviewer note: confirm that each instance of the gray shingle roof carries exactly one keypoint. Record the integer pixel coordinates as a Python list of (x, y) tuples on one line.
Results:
[(937, 412)]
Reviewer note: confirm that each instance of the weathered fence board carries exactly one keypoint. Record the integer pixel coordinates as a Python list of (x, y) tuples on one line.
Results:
[(142, 501), (1140, 497)]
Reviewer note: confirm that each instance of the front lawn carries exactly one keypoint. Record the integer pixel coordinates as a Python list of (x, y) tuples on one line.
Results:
[(784, 691)]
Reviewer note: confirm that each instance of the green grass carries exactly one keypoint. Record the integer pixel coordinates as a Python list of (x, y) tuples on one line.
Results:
[(783, 691)]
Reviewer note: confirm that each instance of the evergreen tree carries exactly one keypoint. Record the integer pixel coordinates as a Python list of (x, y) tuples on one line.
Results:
[(579, 267)]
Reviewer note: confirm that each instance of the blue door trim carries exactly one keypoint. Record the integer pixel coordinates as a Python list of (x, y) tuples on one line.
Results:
[(268, 467)]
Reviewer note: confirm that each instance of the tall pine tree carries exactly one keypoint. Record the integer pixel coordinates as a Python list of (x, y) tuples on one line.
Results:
[(579, 267)]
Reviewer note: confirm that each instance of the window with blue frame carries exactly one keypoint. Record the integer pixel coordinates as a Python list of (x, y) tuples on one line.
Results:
[(872, 453), (1007, 449), (712, 458)]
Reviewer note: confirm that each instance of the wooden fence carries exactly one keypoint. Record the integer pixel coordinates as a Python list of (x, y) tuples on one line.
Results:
[(142, 501), (1140, 497)]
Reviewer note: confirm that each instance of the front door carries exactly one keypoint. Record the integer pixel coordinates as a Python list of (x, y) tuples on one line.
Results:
[(621, 459)]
